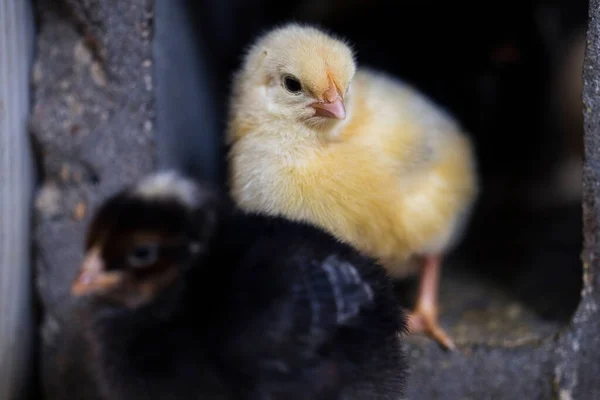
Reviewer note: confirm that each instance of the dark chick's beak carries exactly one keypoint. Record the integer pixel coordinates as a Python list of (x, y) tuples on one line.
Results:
[(332, 106), (93, 277)]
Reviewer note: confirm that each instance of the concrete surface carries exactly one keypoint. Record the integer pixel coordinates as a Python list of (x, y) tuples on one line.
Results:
[(93, 122), (577, 369)]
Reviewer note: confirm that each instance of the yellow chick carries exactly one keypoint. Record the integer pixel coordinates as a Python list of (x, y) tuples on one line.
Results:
[(353, 151)]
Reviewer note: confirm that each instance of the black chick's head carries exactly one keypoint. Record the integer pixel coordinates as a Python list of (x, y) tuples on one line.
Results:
[(142, 239)]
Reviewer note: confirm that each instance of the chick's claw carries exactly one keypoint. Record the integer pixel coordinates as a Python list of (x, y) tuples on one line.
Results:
[(421, 321)]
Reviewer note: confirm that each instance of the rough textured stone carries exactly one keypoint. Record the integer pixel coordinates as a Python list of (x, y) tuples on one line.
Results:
[(482, 373), (505, 351), (578, 354), (92, 120)]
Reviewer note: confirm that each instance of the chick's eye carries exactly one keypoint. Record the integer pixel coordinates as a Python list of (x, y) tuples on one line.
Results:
[(292, 84), (143, 255)]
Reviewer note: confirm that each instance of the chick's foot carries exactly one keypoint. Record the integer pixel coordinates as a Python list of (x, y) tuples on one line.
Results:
[(424, 318), (426, 323)]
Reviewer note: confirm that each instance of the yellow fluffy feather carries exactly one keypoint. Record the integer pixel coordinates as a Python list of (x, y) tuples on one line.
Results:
[(391, 173)]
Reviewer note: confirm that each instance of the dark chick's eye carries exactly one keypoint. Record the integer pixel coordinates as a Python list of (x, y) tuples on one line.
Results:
[(143, 255), (292, 84)]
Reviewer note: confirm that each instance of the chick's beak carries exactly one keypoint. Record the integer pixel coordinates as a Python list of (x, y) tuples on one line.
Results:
[(332, 106), (92, 277)]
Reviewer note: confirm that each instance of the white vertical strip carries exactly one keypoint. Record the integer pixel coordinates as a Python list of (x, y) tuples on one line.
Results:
[(16, 185), (3, 178)]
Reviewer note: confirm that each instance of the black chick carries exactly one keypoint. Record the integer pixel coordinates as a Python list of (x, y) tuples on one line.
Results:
[(192, 298)]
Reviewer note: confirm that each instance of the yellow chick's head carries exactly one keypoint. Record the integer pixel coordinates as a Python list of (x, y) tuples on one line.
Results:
[(301, 74)]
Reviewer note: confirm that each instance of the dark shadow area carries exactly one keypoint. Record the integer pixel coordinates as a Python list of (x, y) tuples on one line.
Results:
[(510, 72), (188, 117)]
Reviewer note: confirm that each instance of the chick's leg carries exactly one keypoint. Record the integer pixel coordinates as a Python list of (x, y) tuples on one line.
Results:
[(424, 318)]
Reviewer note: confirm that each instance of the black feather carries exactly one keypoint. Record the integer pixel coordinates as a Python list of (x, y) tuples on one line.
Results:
[(273, 309)]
